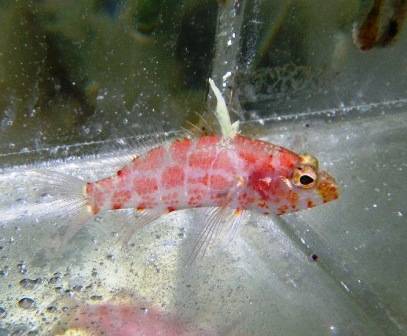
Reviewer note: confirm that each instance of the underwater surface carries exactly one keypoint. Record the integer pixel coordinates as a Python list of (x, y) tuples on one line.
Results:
[(85, 87)]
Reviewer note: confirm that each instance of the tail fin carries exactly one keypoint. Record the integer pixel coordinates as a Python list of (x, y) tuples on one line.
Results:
[(39, 195)]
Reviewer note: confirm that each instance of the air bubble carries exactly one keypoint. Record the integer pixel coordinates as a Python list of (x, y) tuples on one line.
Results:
[(22, 267), (110, 257), (52, 309), (29, 283), (77, 288), (26, 303), (55, 279)]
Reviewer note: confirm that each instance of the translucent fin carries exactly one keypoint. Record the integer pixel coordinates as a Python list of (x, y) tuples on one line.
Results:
[(48, 195), (221, 226), (202, 127), (146, 216), (228, 129), (141, 218)]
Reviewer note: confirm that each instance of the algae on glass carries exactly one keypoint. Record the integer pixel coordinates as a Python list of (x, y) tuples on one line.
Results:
[(91, 70)]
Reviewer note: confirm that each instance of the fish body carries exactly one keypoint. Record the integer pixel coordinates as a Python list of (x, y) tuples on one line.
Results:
[(211, 171)]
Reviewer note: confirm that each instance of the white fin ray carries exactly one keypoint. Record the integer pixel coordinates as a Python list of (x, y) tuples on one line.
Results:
[(52, 197), (221, 226), (194, 130), (228, 129), (146, 216), (136, 222), (49, 194)]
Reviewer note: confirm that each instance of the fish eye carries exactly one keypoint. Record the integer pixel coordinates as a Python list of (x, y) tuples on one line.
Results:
[(306, 179), (304, 176)]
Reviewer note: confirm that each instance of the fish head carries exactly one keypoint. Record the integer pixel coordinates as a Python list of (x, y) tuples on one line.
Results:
[(296, 184)]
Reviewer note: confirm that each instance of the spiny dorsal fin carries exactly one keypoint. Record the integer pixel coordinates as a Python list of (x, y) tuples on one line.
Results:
[(228, 129)]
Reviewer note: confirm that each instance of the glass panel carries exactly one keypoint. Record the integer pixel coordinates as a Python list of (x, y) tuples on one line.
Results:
[(86, 86)]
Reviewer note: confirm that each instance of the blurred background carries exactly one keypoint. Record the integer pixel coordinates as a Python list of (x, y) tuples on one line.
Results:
[(78, 78)]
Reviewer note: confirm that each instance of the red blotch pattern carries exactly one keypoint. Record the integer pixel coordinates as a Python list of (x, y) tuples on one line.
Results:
[(195, 196), (172, 177), (218, 182), (179, 150), (151, 161), (145, 185), (288, 159), (120, 198), (201, 159)]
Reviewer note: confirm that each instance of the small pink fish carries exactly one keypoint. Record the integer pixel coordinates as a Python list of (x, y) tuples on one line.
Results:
[(239, 173), (127, 320), (229, 172)]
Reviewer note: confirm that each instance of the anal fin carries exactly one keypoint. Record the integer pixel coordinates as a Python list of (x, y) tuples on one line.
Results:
[(141, 219), (218, 225)]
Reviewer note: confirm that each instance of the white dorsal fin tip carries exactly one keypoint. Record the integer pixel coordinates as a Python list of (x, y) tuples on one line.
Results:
[(228, 129)]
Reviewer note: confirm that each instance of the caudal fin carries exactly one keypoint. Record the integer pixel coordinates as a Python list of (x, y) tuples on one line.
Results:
[(39, 195)]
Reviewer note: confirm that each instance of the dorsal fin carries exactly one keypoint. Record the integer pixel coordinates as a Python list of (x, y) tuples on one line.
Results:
[(228, 129), (206, 125)]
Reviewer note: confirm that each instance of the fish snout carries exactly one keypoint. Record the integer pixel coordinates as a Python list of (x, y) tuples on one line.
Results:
[(327, 187)]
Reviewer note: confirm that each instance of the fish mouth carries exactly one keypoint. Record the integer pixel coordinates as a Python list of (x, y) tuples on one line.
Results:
[(327, 187)]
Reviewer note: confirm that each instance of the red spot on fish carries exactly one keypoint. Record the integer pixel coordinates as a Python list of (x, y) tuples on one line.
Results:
[(179, 150), (195, 196), (145, 185), (282, 210), (172, 177), (327, 190), (288, 159), (249, 150), (120, 198), (219, 198), (245, 200), (201, 159), (219, 182), (207, 141), (124, 172), (198, 180), (151, 161), (170, 199), (292, 198), (310, 203), (171, 209), (263, 182), (262, 204), (89, 188), (105, 184), (223, 162), (149, 201), (249, 158)]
